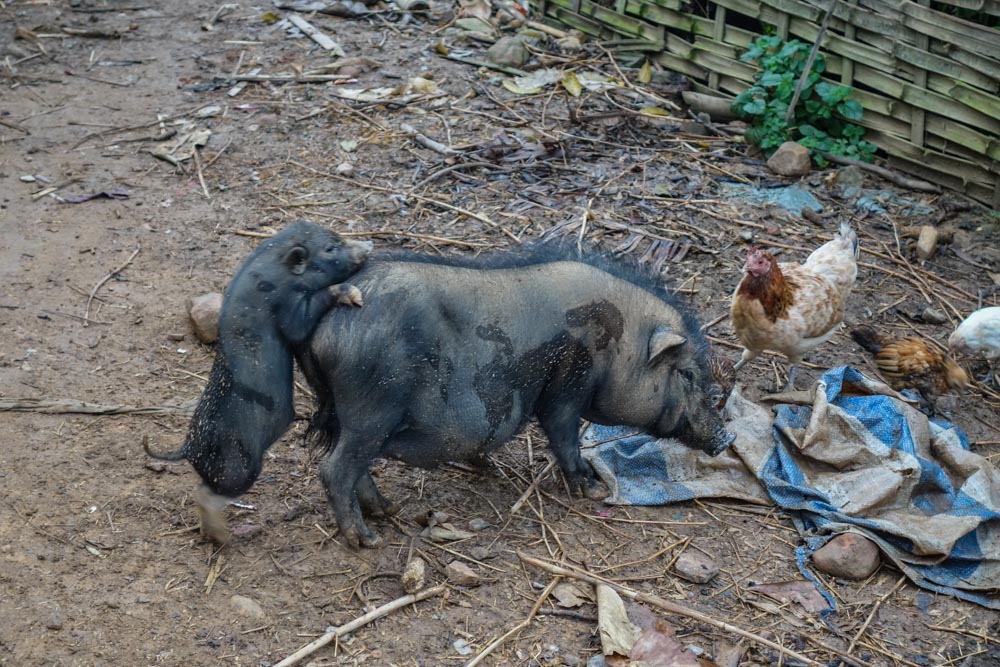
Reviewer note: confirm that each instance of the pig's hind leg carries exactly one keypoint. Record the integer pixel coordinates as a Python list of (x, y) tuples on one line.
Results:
[(561, 424), (345, 476), (373, 503)]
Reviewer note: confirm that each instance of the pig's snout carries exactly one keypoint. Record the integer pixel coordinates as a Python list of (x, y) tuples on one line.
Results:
[(362, 249), (719, 442)]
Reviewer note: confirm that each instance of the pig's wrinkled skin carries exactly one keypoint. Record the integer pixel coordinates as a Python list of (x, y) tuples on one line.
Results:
[(447, 362), (273, 302)]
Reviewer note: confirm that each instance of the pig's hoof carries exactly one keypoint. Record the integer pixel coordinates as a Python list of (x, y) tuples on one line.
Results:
[(594, 490), (381, 509), (352, 537), (371, 540)]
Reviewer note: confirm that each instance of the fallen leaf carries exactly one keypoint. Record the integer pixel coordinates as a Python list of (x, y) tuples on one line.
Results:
[(657, 647), (618, 633), (798, 590), (654, 111), (534, 82), (571, 595), (446, 532), (473, 24), (645, 72), (572, 84), (480, 9)]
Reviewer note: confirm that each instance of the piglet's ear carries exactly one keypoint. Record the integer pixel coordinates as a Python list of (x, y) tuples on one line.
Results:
[(296, 259), (662, 341)]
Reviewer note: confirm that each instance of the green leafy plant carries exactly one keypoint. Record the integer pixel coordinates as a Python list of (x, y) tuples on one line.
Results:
[(822, 118)]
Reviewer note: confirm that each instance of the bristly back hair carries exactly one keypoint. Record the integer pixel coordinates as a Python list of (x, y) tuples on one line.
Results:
[(546, 252)]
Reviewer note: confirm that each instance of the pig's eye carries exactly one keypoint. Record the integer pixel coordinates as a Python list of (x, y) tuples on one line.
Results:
[(332, 247), (687, 375)]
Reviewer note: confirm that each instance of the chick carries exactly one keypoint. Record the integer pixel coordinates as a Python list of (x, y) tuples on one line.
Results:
[(912, 363)]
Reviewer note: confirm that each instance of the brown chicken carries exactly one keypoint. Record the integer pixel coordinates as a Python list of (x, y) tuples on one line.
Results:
[(912, 363), (793, 308), (723, 377)]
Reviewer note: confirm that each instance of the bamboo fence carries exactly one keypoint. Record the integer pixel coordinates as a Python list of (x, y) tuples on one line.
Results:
[(927, 79)]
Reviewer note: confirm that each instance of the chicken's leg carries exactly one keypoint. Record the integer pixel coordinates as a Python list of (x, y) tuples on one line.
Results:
[(791, 378), (747, 356)]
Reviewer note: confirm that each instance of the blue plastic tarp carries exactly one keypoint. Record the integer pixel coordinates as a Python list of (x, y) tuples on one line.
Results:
[(854, 456)]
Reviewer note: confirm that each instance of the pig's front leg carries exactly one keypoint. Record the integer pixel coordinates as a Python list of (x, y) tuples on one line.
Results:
[(561, 424)]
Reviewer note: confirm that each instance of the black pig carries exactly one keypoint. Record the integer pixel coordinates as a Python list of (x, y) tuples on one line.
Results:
[(449, 360), (273, 302)]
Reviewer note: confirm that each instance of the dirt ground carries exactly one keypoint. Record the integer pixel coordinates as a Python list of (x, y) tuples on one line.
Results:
[(100, 559)]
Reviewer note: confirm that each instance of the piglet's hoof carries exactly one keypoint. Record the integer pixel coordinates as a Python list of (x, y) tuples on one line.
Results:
[(347, 295), (211, 516)]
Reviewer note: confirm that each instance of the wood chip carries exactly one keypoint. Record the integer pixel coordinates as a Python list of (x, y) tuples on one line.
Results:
[(316, 35)]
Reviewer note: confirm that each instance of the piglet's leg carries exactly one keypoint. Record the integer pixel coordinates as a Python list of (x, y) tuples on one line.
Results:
[(211, 508), (561, 425), (346, 294)]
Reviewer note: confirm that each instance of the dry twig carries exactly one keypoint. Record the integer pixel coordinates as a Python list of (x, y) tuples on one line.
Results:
[(359, 622)]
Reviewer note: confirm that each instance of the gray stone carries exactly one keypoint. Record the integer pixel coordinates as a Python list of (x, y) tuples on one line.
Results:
[(849, 177), (509, 51), (461, 574), (696, 567), (848, 556), (791, 159), (247, 607), (54, 621), (479, 524), (204, 313)]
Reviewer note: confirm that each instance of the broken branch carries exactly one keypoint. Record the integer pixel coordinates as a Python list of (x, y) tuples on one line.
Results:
[(359, 622)]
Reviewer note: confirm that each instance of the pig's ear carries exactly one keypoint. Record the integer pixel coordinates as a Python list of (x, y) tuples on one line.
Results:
[(662, 341), (296, 259)]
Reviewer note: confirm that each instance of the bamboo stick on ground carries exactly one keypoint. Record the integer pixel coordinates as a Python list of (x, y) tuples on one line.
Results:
[(359, 622)]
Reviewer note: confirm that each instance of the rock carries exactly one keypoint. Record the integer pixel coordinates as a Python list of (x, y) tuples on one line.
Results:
[(696, 567), (204, 313), (932, 315), (509, 51), (345, 169), (461, 574), (479, 524), (791, 159), (414, 575), (481, 553), (848, 178), (54, 621), (571, 42), (848, 556), (247, 607), (927, 242)]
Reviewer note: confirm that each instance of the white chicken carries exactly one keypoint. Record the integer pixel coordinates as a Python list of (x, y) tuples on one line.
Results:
[(979, 336)]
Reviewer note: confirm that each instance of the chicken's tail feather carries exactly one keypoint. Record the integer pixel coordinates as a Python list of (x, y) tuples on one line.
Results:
[(868, 338)]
